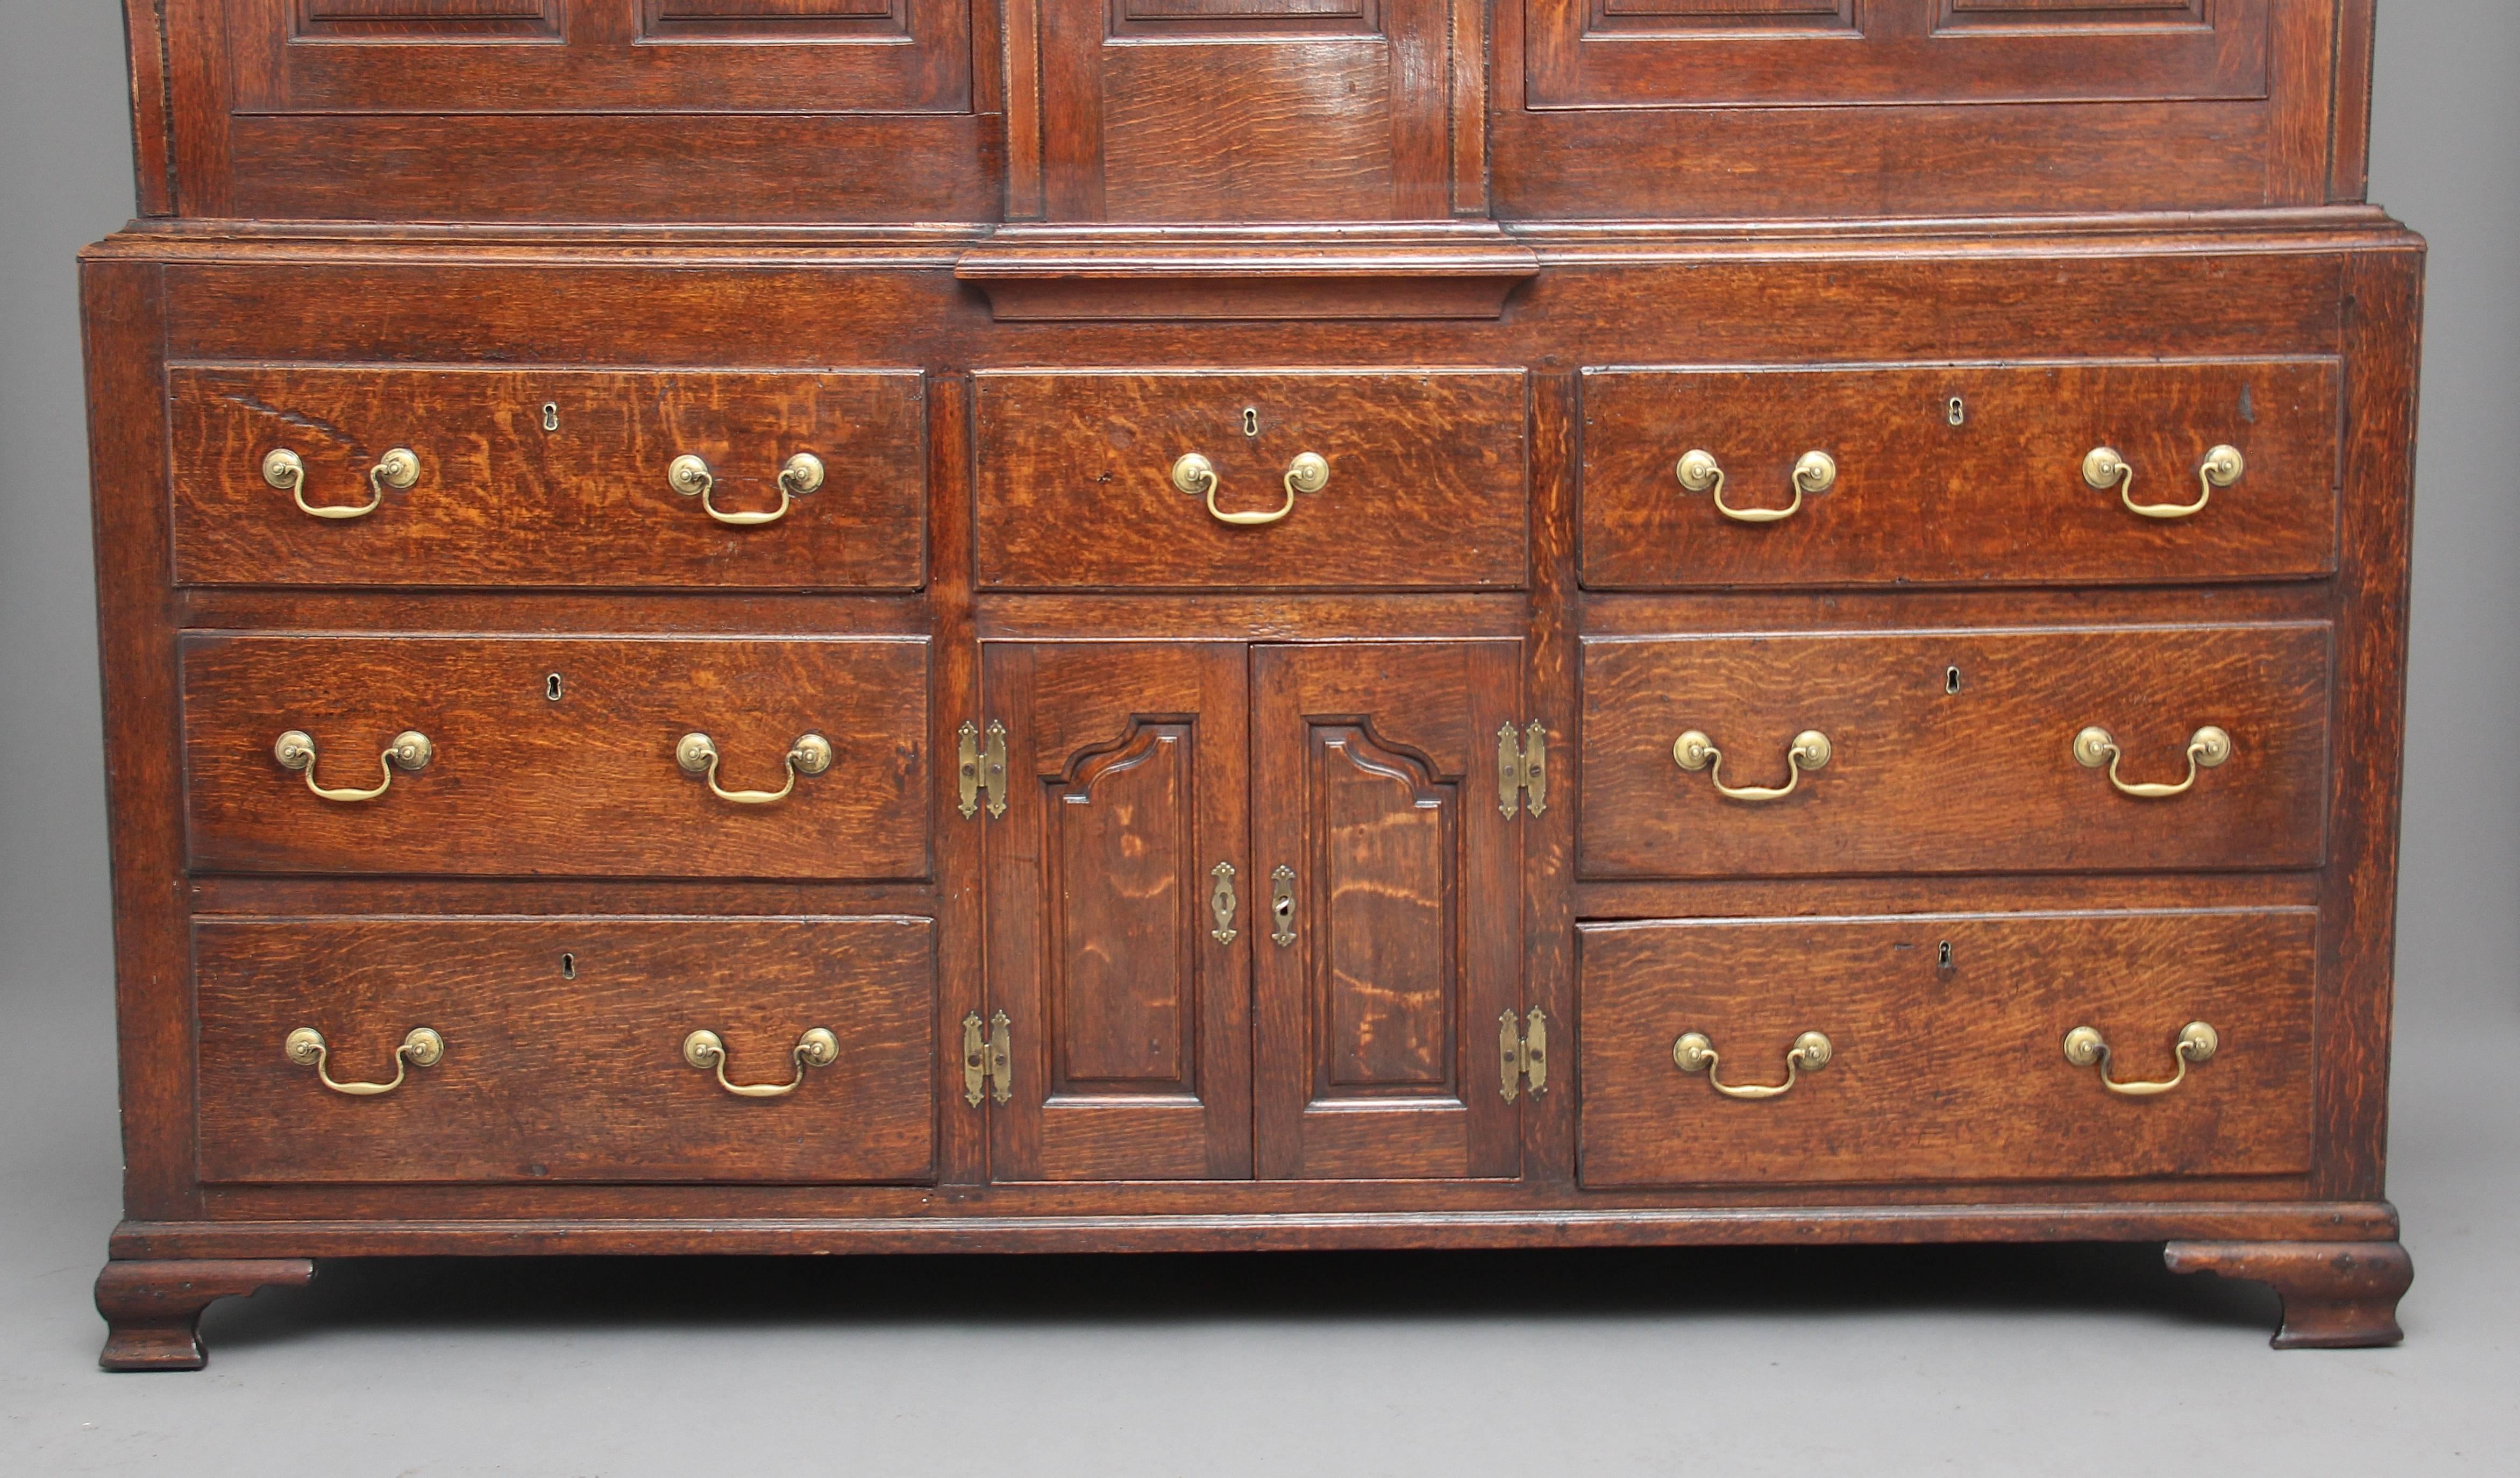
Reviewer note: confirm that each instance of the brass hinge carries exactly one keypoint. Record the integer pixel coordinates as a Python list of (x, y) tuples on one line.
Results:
[(1523, 1055), (984, 767), (987, 1059), (1523, 768)]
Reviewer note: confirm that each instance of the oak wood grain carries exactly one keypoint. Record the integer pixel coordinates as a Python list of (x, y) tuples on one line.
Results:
[(1947, 1071), (1952, 751), (563, 1049), (547, 476), (586, 785)]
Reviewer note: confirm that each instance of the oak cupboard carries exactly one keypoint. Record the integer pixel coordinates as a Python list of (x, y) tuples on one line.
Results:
[(867, 626)]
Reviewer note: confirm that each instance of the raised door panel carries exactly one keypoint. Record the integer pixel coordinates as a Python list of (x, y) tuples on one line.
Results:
[(1123, 974), (1247, 109), (1823, 52), (579, 57), (1393, 937)]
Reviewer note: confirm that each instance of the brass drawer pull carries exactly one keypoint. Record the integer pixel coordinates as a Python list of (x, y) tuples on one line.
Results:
[(1693, 1054), (1694, 751), (421, 1048), (2105, 468), (1196, 476), (1814, 473), (399, 470), (697, 753), (2197, 1043), (2207, 747), (410, 749), (691, 476), (818, 1048)]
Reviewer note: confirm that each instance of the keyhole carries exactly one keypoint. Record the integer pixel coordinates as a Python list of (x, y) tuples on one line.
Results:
[(1251, 421), (1951, 680), (551, 688), (1958, 411), (550, 414), (1946, 955), (568, 967)]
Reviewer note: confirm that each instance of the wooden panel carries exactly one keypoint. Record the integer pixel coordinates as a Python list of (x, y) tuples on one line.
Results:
[(563, 1049), (450, 57), (1590, 54), (1426, 484), (1946, 1072), (1952, 751), (1374, 778), (1130, 1017), (586, 785), (2000, 496), (1203, 111), (1248, 132), (502, 501)]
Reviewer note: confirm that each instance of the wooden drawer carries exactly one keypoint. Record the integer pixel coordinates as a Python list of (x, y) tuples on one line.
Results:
[(1953, 474), (1425, 488), (546, 477), (1946, 1047), (1955, 751), (563, 1049), (588, 783)]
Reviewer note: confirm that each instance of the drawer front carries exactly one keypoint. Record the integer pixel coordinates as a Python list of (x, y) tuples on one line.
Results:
[(1947, 1071), (589, 783), (1960, 473), (1425, 485), (548, 477), (563, 1049), (1953, 751)]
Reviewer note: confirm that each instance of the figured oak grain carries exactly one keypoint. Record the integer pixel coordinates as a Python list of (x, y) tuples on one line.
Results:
[(586, 785), (1946, 1072), (563, 1049)]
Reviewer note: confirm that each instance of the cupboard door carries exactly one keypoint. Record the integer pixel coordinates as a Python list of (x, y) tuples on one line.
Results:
[(1130, 1017), (1380, 983)]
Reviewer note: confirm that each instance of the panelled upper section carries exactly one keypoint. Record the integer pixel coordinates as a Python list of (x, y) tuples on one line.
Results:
[(1241, 110)]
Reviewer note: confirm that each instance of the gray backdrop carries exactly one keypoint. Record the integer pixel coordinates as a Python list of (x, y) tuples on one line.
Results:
[(2066, 1360)]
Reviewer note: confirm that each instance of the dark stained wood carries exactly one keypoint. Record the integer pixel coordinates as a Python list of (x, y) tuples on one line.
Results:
[(153, 1309), (563, 1049), (1373, 780), (1069, 272), (123, 305), (952, 1230), (1427, 487), (584, 786), (1946, 1072), (1923, 779), (1401, 233), (1999, 497), (2336, 1295), (1130, 1021), (547, 477)]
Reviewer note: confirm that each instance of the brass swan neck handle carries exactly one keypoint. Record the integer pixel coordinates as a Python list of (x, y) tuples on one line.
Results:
[(1693, 1054)]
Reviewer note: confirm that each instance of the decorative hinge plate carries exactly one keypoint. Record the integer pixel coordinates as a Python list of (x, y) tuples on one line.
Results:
[(987, 1060), (1523, 768), (983, 767), (1522, 1054)]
